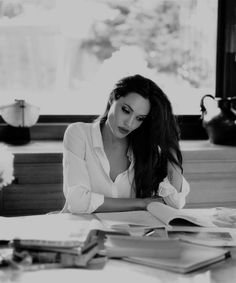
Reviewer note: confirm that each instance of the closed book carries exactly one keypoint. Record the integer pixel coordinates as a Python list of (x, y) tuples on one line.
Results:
[(71, 247), (117, 246), (71, 260), (193, 257), (64, 258)]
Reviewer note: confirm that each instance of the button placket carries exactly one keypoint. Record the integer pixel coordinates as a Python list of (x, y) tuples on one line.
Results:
[(103, 161)]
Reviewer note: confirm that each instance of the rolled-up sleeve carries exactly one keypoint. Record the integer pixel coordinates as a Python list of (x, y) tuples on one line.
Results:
[(170, 194), (76, 182)]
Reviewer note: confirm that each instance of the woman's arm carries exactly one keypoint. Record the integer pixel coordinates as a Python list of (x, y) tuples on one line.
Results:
[(121, 204), (76, 181), (175, 176), (125, 204), (174, 187)]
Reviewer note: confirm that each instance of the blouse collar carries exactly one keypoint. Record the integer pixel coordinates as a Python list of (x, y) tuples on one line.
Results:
[(97, 135)]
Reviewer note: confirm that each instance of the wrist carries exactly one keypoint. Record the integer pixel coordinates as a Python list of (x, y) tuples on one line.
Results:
[(142, 204)]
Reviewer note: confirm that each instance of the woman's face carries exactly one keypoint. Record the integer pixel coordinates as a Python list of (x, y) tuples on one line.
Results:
[(127, 114)]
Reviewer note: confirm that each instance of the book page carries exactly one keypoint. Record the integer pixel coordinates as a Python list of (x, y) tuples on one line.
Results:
[(162, 211), (200, 217), (224, 217), (211, 236)]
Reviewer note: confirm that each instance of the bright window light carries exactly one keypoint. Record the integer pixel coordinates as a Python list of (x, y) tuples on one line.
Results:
[(66, 55)]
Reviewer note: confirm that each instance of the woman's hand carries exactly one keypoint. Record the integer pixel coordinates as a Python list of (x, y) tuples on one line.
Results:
[(153, 199)]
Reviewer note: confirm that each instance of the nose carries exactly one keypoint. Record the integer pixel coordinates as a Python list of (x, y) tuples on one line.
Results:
[(129, 122)]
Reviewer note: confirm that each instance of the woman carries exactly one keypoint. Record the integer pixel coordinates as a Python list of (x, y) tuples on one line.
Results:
[(128, 157)]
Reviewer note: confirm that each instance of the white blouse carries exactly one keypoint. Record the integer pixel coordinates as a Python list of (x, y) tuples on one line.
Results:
[(86, 173)]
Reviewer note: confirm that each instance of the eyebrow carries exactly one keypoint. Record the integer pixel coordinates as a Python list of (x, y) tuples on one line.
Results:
[(141, 115)]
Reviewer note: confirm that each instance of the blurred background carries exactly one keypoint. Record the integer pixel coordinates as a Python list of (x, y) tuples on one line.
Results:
[(65, 55)]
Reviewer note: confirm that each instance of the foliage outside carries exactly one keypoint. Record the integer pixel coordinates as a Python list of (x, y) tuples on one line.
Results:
[(73, 51)]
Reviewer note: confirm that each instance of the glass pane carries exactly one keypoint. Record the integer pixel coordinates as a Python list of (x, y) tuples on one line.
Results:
[(65, 55)]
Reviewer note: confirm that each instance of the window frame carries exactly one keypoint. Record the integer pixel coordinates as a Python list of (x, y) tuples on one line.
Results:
[(53, 126)]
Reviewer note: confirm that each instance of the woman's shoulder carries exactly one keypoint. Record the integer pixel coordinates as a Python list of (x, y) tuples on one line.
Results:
[(80, 126), (78, 129)]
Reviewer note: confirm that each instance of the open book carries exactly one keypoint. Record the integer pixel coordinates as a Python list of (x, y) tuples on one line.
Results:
[(171, 216), (158, 215), (212, 236)]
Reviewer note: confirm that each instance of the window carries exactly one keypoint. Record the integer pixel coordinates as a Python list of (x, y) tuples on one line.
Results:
[(65, 55), (58, 56)]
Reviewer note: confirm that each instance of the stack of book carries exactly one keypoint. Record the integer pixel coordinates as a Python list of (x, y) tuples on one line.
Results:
[(49, 241), (41, 254)]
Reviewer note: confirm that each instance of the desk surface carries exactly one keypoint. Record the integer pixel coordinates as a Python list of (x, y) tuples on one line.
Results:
[(119, 271), (112, 271)]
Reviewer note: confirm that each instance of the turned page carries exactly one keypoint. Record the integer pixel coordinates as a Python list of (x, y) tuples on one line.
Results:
[(163, 212), (200, 217)]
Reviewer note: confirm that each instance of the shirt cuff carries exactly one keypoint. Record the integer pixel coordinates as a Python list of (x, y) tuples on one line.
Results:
[(171, 196), (95, 201), (80, 200)]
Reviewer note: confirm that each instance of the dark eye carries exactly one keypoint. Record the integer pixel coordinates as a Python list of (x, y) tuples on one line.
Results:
[(125, 110), (140, 119)]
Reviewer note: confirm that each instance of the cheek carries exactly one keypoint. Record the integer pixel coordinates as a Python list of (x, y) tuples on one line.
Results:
[(118, 116)]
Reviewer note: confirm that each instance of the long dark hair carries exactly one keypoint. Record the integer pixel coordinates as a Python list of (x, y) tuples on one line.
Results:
[(156, 141)]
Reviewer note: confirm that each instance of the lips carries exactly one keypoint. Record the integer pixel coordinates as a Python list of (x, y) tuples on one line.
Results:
[(123, 130)]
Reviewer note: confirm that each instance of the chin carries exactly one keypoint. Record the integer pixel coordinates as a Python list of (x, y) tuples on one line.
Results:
[(119, 135)]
